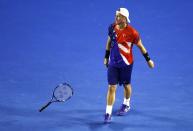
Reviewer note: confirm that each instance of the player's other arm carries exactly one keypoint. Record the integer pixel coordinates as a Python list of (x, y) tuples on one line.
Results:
[(145, 54), (107, 52)]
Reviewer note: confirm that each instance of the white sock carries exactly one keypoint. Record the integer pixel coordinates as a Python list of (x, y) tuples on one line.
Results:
[(109, 109), (126, 101)]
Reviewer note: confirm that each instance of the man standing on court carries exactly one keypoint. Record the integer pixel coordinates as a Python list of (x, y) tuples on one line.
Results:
[(119, 60)]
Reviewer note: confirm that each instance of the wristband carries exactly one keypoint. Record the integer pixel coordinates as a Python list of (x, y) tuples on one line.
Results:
[(107, 53), (146, 55)]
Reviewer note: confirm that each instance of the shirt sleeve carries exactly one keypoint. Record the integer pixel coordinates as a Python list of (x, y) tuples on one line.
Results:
[(110, 29), (136, 37)]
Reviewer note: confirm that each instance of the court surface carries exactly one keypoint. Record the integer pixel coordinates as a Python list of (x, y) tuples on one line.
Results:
[(44, 43)]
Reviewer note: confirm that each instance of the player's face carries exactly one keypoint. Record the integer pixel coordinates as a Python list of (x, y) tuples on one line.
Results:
[(120, 19)]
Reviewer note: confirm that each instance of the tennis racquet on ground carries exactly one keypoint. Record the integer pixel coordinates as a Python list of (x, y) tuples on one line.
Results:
[(61, 93)]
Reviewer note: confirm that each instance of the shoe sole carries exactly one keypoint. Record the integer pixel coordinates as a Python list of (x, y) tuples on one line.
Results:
[(122, 113), (107, 122)]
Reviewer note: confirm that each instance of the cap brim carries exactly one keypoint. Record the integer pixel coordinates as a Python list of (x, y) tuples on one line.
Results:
[(128, 20)]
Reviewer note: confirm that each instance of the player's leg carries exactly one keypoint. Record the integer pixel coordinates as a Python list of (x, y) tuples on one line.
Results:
[(110, 101), (110, 98), (125, 107), (127, 94), (126, 80), (112, 81)]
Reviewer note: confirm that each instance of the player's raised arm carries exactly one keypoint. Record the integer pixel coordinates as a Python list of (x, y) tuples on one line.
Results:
[(145, 54), (107, 52)]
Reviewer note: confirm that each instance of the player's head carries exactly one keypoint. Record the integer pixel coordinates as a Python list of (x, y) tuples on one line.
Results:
[(121, 14)]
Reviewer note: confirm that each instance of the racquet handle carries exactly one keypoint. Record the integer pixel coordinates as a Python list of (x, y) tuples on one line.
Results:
[(45, 106)]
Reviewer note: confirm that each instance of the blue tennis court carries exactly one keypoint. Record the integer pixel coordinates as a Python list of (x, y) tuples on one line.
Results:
[(44, 43)]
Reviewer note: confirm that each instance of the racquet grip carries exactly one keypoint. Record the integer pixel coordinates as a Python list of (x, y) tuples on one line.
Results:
[(45, 106)]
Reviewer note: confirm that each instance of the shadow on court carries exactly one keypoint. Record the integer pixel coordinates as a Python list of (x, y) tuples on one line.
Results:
[(92, 119)]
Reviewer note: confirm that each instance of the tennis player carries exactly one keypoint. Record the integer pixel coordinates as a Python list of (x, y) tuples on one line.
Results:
[(119, 60)]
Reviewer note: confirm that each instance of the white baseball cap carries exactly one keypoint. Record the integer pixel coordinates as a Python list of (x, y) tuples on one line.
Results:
[(124, 12)]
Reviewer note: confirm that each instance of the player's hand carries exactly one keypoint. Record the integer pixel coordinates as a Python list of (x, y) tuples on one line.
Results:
[(106, 62), (150, 64)]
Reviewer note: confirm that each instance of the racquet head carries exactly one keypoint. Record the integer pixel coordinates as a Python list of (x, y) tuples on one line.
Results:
[(63, 92)]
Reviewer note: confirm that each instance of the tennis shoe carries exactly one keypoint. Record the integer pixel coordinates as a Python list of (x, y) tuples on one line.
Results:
[(107, 119), (123, 110)]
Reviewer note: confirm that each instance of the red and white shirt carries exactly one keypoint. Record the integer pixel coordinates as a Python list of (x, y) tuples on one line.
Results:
[(124, 39)]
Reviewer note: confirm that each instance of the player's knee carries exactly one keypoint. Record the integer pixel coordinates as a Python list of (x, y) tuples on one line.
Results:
[(112, 88), (127, 85)]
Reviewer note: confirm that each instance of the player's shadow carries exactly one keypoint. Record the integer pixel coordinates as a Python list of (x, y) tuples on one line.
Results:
[(84, 117), (91, 118)]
